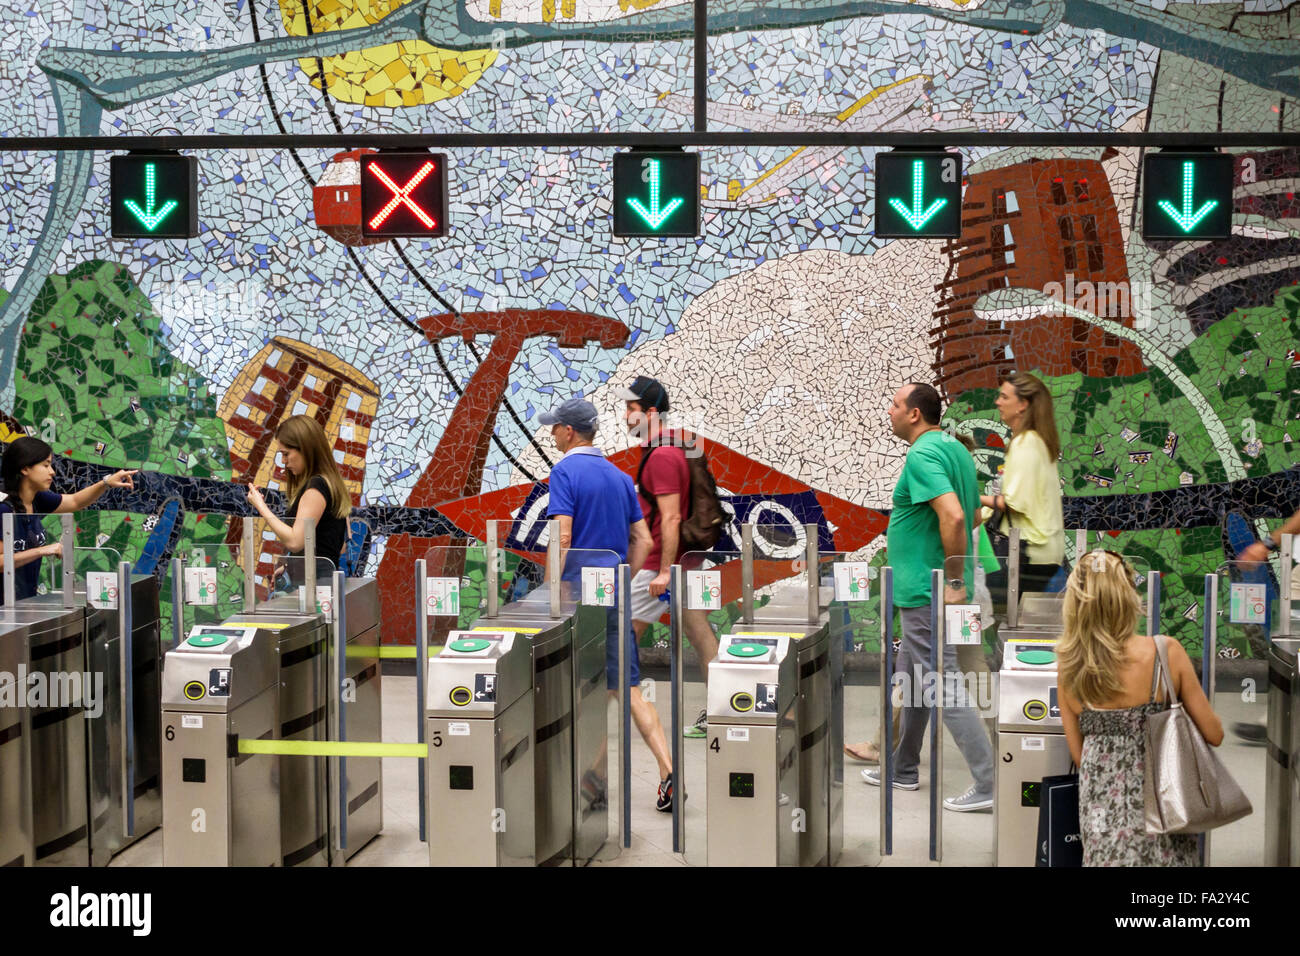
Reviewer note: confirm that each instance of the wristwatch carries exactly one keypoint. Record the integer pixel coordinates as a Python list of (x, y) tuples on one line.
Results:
[(1268, 542), (957, 584)]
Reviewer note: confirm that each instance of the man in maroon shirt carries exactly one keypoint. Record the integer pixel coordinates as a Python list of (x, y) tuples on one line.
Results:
[(665, 493)]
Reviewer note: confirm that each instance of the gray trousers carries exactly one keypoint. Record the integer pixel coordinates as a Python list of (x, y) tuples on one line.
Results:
[(964, 723)]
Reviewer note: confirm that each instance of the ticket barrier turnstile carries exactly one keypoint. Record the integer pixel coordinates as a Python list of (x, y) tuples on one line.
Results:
[(88, 751), (815, 705), (43, 811), (1031, 745), (221, 808), (302, 632), (363, 718), (306, 818), (105, 747), (480, 780), (302, 641), (1281, 782), (1294, 650), (566, 753), (753, 774), (818, 714)]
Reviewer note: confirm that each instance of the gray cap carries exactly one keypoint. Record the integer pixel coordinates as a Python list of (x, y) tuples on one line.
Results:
[(575, 412)]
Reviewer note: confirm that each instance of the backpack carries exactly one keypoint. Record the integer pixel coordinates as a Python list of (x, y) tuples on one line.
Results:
[(703, 526)]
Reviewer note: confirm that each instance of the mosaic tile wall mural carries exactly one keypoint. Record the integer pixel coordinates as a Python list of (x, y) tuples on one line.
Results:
[(780, 332)]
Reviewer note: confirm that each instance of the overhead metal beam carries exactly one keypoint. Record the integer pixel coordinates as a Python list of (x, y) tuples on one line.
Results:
[(630, 139)]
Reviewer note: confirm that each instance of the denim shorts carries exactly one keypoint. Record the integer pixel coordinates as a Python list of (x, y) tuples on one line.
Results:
[(611, 653)]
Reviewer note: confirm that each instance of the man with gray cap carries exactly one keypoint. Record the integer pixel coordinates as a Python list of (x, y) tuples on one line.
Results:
[(597, 508)]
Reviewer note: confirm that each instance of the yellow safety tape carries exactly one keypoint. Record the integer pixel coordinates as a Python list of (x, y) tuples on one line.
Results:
[(263, 625), (389, 652), (512, 630), (797, 634), (331, 748)]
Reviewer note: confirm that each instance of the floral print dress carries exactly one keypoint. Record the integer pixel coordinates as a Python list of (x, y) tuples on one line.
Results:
[(1112, 805)]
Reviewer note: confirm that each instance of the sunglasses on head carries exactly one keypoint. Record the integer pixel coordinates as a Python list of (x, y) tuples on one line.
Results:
[(1096, 564)]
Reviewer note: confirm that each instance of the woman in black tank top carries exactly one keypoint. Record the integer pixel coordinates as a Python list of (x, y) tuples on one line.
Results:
[(314, 488)]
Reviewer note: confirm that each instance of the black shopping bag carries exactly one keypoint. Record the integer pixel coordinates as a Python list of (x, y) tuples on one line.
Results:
[(1059, 840)]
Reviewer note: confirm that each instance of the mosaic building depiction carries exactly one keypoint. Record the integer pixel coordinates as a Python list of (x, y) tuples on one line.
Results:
[(1046, 225), (780, 331), (289, 378)]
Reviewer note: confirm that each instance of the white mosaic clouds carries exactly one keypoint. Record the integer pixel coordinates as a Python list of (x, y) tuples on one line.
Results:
[(738, 366)]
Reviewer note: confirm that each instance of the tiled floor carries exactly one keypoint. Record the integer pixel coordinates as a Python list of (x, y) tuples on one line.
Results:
[(967, 838)]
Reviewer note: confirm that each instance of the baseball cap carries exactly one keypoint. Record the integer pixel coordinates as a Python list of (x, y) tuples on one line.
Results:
[(648, 392), (574, 412)]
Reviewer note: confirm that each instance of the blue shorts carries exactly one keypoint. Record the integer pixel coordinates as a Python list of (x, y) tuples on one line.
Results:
[(611, 653)]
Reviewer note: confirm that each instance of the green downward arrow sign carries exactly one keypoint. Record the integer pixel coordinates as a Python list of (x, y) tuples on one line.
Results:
[(150, 217), (917, 216), (654, 216), (1185, 218)]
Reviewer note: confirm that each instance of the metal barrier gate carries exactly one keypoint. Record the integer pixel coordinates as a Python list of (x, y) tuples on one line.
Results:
[(85, 781), (514, 713)]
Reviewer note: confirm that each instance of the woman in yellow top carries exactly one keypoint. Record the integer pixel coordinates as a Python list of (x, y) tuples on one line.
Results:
[(1030, 498)]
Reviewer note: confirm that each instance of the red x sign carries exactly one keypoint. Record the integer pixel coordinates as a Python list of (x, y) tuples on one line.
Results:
[(404, 194)]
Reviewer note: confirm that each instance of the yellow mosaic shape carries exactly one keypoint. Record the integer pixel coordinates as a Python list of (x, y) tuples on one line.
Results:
[(410, 73)]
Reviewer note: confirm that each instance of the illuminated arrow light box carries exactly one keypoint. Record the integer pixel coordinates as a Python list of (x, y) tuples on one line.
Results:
[(154, 196), (657, 194), (404, 194), (1187, 195), (918, 195)]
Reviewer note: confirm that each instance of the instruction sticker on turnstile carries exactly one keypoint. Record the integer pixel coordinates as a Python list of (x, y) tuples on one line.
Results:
[(442, 596), (598, 586), (737, 733), (192, 721), (101, 589), (1247, 603), (963, 622), (852, 580), (703, 590), (201, 586), (458, 728), (765, 699), (485, 687)]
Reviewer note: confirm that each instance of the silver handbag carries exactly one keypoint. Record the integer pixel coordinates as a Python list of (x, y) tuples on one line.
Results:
[(1187, 788)]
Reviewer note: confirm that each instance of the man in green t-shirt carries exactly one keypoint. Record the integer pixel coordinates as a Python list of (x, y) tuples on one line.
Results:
[(935, 502)]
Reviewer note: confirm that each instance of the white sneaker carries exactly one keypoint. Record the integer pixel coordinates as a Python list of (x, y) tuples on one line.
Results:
[(968, 802), (872, 776)]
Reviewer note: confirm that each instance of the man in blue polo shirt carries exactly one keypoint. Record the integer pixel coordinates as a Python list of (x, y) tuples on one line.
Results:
[(597, 507)]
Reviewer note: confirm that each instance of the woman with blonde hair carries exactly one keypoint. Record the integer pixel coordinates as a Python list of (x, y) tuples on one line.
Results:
[(1109, 684), (314, 489), (1030, 496)]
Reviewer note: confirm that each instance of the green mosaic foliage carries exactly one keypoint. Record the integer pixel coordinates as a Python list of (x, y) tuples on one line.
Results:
[(97, 376)]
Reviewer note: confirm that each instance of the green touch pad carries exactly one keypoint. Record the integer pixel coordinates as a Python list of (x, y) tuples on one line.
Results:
[(1036, 657), (207, 640), (747, 650), (468, 645)]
